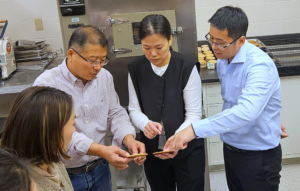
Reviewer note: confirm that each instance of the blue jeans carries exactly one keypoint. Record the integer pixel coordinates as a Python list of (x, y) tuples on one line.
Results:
[(98, 179)]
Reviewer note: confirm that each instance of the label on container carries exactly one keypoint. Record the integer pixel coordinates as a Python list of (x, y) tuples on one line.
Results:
[(8, 48), (75, 20)]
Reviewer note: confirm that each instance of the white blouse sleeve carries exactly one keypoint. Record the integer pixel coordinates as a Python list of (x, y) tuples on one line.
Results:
[(138, 118), (192, 96)]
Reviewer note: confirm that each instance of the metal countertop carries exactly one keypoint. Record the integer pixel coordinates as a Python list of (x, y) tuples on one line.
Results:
[(21, 80)]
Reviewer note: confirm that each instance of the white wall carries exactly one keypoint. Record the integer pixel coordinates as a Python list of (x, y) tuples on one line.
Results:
[(21, 14), (266, 17)]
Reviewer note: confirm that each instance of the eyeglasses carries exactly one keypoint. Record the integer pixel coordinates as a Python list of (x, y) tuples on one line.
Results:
[(219, 46), (93, 63)]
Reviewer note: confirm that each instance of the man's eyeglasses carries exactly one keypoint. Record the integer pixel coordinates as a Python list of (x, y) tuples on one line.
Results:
[(93, 63), (219, 46)]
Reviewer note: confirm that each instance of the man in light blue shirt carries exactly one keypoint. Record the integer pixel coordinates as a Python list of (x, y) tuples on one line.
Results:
[(249, 124)]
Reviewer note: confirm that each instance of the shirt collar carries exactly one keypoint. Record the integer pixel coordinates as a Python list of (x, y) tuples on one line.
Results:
[(241, 56), (66, 72)]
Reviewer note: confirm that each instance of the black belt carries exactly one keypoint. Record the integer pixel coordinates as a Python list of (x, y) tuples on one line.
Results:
[(235, 149), (85, 168)]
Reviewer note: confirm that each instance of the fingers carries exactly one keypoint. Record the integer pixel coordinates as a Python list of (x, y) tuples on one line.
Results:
[(164, 156), (183, 146), (154, 129), (121, 152), (120, 167), (141, 149), (282, 127), (161, 156), (140, 160), (120, 163), (158, 126), (180, 144), (284, 135), (149, 133), (171, 155), (169, 143), (134, 149)]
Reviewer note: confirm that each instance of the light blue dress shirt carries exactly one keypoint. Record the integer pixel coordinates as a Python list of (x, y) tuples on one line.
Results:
[(250, 86)]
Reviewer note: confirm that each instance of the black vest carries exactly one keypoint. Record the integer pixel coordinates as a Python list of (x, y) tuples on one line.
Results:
[(161, 98)]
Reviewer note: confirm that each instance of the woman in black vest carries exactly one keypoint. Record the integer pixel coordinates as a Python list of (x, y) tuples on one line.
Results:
[(165, 97)]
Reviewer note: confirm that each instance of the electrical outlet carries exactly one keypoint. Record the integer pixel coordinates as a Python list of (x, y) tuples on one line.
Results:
[(38, 24)]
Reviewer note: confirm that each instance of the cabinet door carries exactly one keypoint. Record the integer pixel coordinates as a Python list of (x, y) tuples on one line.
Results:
[(214, 98), (216, 153), (212, 110), (289, 116), (214, 88)]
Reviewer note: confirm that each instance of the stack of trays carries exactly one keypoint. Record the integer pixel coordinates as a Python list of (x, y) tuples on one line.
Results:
[(31, 55), (205, 56)]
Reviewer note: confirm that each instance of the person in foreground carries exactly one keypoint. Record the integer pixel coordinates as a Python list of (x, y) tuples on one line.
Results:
[(14, 175), (39, 129), (249, 124), (98, 111)]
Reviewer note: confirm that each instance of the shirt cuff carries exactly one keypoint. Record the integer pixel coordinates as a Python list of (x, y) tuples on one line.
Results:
[(80, 144), (202, 128), (119, 137), (144, 123)]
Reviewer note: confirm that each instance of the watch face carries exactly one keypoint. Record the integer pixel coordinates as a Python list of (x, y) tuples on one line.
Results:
[(8, 48)]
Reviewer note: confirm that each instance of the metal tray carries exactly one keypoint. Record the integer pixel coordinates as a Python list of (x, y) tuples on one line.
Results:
[(261, 44), (31, 53), (19, 46), (24, 43), (36, 64), (42, 57)]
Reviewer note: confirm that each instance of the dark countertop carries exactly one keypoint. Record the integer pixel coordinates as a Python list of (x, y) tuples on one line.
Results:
[(210, 76)]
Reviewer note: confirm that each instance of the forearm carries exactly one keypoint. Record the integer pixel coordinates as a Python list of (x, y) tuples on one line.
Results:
[(127, 139), (97, 150), (188, 121), (139, 119)]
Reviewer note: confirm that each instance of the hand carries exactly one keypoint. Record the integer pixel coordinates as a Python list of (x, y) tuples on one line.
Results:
[(113, 154), (180, 140), (283, 134), (135, 147), (152, 129), (164, 156)]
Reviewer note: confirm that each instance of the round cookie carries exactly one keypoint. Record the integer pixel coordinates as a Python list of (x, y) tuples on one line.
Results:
[(209, 55), (207, 52), (214, 61), (205, 49), (210, 58)]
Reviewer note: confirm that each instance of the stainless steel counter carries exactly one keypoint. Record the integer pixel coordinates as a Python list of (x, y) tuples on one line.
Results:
[(16, 83), (21, 80)]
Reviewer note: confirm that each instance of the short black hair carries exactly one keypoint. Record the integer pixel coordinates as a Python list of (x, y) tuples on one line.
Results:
[(231, 18), (87, 34), (14, 175), (155, 24)]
